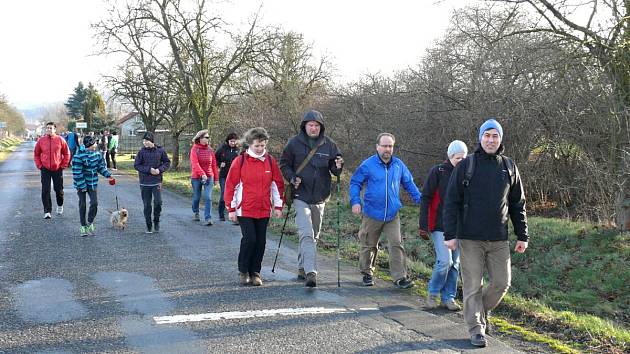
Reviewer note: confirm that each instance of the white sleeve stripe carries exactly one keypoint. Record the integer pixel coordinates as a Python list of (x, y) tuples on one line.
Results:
[(275, 195)]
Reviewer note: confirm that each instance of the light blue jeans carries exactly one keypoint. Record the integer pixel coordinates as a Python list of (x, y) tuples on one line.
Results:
[(445, 270), (197, 186)]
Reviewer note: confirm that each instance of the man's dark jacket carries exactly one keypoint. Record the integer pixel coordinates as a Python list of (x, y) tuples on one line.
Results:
[(316, 180), (226, 154), (491, 201), (148, 158)]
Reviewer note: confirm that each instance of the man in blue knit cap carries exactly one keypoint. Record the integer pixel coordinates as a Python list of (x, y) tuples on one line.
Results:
[(484, 191)]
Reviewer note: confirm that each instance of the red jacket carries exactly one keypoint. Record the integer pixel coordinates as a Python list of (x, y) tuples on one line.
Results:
[(51, 153), (250, 190), (203, 162)]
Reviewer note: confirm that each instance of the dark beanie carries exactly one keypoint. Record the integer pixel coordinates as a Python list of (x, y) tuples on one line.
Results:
[(88, 141), (149, 136), (231, 136)]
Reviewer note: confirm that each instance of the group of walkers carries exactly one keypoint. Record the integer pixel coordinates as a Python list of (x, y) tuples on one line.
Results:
[(465, 208), (107, 144)]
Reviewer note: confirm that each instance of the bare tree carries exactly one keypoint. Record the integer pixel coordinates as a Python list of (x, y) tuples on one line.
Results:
[(602, 29)]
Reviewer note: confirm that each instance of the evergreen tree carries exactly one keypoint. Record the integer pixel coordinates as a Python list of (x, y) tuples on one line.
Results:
[(76, 101)]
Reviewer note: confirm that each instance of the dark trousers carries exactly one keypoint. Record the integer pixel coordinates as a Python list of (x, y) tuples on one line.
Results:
[(57, 181), (82, 206), (111, 158), (151, 195), (221, 200), (253, 244)]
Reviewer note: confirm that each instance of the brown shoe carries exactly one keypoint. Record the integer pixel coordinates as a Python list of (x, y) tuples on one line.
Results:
[(256, 281), (244, 278)]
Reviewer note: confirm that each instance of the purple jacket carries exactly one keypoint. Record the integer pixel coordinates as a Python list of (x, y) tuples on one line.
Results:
[(146, 159)]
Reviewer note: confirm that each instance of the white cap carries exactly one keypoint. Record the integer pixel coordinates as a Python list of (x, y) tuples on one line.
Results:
[(455, 147)]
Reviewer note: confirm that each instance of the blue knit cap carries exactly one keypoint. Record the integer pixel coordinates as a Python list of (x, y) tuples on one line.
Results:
[(490, 124)]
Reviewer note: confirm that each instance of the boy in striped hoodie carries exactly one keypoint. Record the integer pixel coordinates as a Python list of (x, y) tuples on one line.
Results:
[(87, 163)]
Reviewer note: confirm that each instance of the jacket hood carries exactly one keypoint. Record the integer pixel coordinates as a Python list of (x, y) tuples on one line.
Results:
[(313, 116)]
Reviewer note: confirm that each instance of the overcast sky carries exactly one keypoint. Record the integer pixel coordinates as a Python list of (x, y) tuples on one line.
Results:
[(46, 45)]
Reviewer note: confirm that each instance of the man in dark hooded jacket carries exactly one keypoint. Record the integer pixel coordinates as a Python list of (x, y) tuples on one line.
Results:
[(311, 186)]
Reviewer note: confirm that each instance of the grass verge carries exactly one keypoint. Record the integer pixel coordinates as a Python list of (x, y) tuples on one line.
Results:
[(7, 146)]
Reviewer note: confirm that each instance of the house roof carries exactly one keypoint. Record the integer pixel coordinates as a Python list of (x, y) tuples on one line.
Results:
[(126, 117)]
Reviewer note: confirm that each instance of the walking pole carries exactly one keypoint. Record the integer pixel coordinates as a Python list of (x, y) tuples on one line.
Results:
[(338, 221), (273, 269)]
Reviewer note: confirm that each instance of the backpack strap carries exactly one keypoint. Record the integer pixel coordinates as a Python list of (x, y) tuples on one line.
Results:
[(509, 166), (470, 170)]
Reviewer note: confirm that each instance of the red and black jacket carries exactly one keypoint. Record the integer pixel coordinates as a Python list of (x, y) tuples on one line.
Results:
[(433, 194)]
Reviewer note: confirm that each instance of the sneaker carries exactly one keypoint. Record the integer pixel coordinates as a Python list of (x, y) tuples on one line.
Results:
[(209, 222), (149, 229), (301, 274), (452, 305), (404, 283), (256, 280), (311, 280), (60, 210), (47, 216), (368, 280), (196, 217), (243, 278), (91, 229), (432, 302), (156, 226), (83, 231), (478, 340)]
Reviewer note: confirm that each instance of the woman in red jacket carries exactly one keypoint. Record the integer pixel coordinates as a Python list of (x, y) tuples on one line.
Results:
[(253, 183), (204, 174)]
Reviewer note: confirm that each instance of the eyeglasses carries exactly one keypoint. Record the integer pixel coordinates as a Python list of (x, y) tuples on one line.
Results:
[(205, 137)]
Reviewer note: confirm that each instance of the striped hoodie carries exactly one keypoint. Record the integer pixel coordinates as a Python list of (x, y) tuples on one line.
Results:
[(86, 165)]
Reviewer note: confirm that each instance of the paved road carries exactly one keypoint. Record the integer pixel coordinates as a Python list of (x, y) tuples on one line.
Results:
[(177, 291)]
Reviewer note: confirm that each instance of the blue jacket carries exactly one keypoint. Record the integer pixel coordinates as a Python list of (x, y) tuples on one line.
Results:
[(86, 165), (381, 198)]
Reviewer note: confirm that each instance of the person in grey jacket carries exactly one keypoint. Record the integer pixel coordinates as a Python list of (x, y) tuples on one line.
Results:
[(311, 186), (151, 162)]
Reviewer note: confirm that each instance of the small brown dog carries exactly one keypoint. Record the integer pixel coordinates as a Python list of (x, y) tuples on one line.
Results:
[(119, 218)]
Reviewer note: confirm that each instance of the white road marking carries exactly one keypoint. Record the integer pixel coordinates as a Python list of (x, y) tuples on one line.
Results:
[(257, 313)]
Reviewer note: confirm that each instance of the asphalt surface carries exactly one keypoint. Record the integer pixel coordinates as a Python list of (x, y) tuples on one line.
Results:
[(117, 292)]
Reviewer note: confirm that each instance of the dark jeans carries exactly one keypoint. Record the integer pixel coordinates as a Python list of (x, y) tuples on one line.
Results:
[(111, 158), (82, 206), (151, 194), (221, 200), (253, 244), (57, 181)]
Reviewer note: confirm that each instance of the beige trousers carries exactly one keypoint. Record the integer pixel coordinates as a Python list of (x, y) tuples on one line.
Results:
[(493, 256), (369, 233)]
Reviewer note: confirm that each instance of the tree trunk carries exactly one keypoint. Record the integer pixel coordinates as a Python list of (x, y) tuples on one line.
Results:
[(175, 160)]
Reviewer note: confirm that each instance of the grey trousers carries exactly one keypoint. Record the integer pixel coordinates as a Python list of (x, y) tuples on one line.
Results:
[(369, 233), (493, 256), (308, 219)]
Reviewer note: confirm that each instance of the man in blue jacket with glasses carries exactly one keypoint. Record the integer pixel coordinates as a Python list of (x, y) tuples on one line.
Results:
[(382, 175)]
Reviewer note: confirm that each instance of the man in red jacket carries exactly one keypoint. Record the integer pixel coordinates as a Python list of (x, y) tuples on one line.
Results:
[(51, 156)]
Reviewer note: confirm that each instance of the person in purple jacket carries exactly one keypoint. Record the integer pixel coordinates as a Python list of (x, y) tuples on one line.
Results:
[(151, 162)]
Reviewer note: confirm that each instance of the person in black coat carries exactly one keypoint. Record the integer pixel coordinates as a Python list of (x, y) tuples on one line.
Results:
[(484, 192), (225, 154), (311, 186), (443, 283)]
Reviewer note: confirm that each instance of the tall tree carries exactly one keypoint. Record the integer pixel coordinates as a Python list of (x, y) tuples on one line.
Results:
[(75, 102), (604, 35), (93, 105)]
